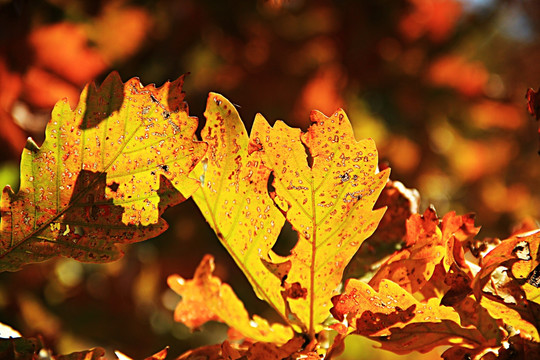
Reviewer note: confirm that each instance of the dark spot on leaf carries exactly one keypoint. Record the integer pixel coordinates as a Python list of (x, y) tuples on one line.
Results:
[(114, 186), (166, 114), (94, 210), (154, 98), (295, 291), (345, 177), (164, 167)]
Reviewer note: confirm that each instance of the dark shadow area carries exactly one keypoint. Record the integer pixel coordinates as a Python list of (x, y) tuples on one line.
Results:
[(286, 241), (102, 101)]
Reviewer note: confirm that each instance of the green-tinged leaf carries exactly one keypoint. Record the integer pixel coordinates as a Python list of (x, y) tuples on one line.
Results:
[(234, 199), (104, 174), (206, 298), (329, 204)]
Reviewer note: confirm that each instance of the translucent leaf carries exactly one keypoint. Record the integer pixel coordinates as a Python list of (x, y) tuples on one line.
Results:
[(328, 203), (370, 312), (293, 349), (424, 337), (429, 242), (520, 254), (233, 198), (205, 298), (511, 317), (104, 174)]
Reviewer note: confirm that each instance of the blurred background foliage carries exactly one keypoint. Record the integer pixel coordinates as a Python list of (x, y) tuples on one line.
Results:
[(439, 85)]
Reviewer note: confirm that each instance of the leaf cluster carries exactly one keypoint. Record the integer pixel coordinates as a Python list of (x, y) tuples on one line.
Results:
[(110, 167)]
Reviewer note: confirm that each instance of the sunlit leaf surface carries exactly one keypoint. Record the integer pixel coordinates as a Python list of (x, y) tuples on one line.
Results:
[(206, 298), (329, 203), (104, 174)]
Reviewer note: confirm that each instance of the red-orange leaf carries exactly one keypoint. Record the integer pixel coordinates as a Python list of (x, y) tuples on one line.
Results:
[(424, 337), (519, 253), (104, 174)]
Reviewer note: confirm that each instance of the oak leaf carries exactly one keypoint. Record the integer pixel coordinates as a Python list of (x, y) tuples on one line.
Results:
[(206, 298), (32, 348), (329, 203), (233, 198), (423, 337), (519, 320), (104, 174), (519, 254), (371, 312), (342, 186), (248, 350)]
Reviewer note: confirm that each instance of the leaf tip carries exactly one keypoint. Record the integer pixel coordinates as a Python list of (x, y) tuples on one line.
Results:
[(31, 145), (8, 191)]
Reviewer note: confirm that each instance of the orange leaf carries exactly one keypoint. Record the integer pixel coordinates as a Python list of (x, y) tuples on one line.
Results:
[(104, 174), (62, 48), (371, 312), (328, 203), (205, 298), (429, 242), (423, 337), (511, 317), (519, 253), (414, 265)]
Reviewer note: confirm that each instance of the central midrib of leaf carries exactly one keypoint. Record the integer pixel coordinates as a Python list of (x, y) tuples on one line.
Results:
[(312, 265)]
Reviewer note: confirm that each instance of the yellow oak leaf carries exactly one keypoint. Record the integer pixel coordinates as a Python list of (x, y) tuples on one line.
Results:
[(329, 203), (233, 198)]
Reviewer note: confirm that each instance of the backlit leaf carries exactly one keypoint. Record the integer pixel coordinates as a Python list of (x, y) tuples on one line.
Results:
[(423, 337), (234, 199), (104, 174), (512, 317), (520, 254), (430, 242), (328, 203), (371, 312), (206, 298)]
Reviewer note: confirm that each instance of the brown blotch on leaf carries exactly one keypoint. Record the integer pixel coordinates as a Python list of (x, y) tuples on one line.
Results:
[(294, 291)]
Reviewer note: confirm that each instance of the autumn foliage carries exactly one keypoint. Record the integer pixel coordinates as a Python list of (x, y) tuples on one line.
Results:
[(130, 227), (109, 167)]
